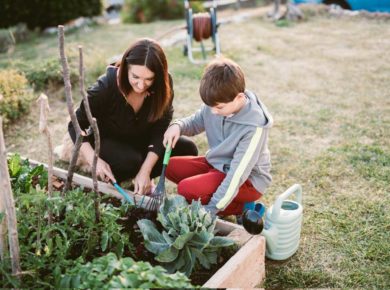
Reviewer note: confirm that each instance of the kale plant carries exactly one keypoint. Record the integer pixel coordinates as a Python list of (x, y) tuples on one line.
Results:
[(187, 239)]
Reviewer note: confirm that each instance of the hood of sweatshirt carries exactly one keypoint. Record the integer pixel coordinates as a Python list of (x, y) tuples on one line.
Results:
[(253, 113)]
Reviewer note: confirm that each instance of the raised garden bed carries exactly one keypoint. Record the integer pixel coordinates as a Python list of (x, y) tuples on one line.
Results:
[(245, 269)]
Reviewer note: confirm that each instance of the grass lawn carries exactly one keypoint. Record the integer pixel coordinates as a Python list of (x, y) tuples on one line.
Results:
[(327, 83)]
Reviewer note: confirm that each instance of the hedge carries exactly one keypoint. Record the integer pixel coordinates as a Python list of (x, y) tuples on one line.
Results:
[(46, 13), (149, 10)]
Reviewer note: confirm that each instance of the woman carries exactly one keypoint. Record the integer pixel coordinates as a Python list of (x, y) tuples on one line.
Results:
[(132, 104)]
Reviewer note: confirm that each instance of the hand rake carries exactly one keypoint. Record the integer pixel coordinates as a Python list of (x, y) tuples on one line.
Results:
[(123, 193), (158, 195)]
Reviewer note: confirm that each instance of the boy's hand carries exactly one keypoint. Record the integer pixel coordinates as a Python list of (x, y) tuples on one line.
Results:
[(171, 135)]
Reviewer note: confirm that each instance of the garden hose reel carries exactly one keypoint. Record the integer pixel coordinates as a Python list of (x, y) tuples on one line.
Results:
[(200, 27)]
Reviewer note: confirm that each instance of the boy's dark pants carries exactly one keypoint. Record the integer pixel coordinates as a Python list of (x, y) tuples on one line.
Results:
[(196, 178)]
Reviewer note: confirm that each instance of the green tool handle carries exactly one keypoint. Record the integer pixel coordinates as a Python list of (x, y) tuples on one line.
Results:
[(167, 155)]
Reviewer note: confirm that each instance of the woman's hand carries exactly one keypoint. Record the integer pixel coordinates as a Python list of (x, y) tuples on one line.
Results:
[(171, 135), (142, 183), (103, 171)]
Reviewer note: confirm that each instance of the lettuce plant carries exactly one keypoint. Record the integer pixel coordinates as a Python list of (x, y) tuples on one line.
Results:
[(108, 272), (187, 238)]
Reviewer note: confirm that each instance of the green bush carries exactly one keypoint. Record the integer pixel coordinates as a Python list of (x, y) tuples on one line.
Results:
[(108, 272), (139, 11), (6, 40), (47, 74), (13, 35), (15, 95), (46, 13)]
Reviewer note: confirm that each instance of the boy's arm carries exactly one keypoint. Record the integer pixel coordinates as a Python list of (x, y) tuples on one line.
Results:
[(193, 124), (244, 159)]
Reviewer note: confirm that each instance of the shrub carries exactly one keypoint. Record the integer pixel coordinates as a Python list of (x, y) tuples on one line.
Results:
[(46, 13), (16, 34), (15, 96), (187, 239), (149, 10), (47, 74), (6, 40), (108, 272)]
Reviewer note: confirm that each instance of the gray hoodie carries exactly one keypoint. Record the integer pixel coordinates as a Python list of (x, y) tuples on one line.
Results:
[(238, 147)]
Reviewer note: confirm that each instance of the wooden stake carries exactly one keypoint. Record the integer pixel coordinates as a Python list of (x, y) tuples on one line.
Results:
[(43, 128), (3, 230), (95, 129), (69, 102), (7, 197)]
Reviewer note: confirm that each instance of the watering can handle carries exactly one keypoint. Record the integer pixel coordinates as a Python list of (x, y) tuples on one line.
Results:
[(297, 189)]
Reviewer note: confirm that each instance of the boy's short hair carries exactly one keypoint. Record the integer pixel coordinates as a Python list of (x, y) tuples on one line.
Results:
[(221, 82)]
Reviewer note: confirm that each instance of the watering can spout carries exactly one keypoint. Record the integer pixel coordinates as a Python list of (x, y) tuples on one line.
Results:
[(271, 236)]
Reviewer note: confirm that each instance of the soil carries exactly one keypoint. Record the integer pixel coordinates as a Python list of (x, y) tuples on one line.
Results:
[(201, 276)]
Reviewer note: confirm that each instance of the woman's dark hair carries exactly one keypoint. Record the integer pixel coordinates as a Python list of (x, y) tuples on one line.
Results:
[(147, 52)]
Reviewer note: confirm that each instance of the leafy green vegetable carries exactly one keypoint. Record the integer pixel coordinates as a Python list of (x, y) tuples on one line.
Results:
[(109, 272), (187, 239)]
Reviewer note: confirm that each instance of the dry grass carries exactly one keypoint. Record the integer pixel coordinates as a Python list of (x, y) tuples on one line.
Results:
[(326, 82)]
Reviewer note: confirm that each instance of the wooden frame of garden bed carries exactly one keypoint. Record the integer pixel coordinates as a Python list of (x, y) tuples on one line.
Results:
[(246, 269)]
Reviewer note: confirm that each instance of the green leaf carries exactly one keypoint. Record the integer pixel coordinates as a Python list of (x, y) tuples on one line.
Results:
[(120, 246), (182, 240), (211, 255), (154, 241), (168, 255), (201, 240), (65, 282), (167, 238), (76, 281), (14, 165), (189, 262), (172, 203), (2, 215), (174, 220), (104, 241), (218, 242), (202, 258)]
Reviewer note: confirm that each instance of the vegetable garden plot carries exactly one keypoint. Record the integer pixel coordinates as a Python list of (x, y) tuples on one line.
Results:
[(74, 244)]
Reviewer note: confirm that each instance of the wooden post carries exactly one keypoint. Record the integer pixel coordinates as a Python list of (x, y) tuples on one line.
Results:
[(43, 128), (69, 102), (3, 229), (95, 129), (6, 196)]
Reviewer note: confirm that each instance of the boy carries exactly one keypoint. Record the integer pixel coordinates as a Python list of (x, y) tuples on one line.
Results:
[(236, 168)]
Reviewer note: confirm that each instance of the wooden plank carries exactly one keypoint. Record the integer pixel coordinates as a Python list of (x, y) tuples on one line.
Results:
[(246, 269), (225, 227), (7, 196), (87, 182), (222, 226), (239, 236)]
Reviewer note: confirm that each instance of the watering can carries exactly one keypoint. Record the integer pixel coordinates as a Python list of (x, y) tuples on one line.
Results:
[(282, 226)]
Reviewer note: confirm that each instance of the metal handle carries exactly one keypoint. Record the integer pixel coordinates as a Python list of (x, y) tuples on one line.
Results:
[(297, 189), (167, 155)]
